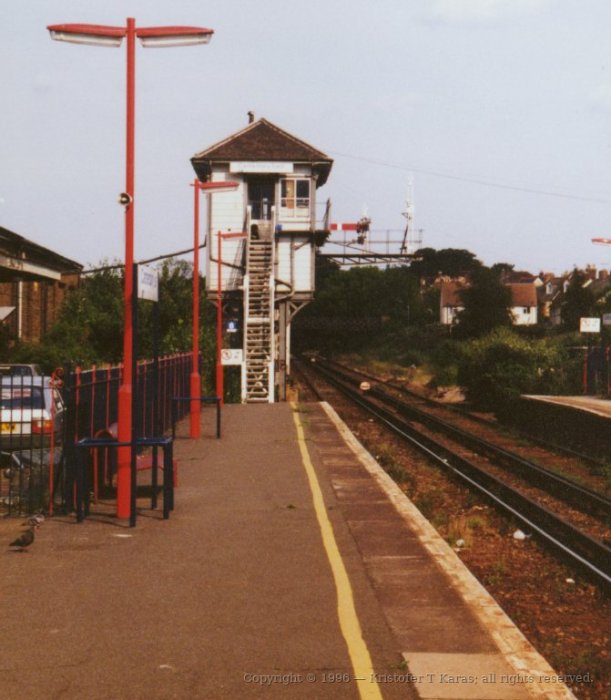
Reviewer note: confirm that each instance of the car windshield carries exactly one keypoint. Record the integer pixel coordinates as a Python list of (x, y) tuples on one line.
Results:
[(21, 398)]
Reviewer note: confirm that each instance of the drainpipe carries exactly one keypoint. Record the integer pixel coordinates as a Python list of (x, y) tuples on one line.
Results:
[(19, 309)]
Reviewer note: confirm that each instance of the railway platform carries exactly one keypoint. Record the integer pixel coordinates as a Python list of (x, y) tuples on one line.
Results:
[(292, 567), (589, 404), (577, 422)]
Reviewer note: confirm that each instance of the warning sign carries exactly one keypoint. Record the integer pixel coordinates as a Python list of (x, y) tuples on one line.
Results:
[(231, 356)]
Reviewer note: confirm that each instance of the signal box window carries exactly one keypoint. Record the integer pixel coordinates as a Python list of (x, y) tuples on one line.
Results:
[(295, 198)]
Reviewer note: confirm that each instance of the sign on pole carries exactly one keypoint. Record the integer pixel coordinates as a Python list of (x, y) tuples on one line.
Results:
[(148, 283), (589, 325)]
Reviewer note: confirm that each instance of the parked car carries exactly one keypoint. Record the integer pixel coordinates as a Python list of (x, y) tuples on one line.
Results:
[(19, 370), (31, 413)]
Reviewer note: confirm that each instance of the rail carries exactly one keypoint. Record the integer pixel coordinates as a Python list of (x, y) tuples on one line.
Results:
[(582, 551)]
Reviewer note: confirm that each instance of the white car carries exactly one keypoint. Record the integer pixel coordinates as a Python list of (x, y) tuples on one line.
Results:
[(32, 413)]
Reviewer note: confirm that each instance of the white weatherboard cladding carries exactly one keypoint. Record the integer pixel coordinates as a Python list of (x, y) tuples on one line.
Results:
[(299, 273), (232, 253), (227, 210), (225, 214)]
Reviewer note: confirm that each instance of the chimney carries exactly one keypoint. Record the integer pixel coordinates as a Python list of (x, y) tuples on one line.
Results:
[(251, 117)]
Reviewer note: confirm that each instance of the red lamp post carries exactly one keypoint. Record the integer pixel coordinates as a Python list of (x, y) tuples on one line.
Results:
[(99, 35), (209, 188)]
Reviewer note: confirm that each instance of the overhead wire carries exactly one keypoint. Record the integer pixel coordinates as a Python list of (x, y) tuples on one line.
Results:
[(474, 181)]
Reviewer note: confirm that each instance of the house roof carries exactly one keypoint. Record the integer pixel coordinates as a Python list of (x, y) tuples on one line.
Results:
[(523, 294), (450, 294), (262, 141), (518, 277)]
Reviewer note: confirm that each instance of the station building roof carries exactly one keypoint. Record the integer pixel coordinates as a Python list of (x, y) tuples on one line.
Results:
[(22, 259)]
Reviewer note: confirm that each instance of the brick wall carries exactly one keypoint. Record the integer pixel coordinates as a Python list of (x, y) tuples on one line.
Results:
[(40, 305)]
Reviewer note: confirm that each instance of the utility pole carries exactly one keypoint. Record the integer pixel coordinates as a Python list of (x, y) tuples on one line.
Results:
[(411, 243)]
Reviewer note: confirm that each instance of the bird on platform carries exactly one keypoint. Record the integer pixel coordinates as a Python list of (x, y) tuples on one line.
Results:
[(23, 541), (36, 520)]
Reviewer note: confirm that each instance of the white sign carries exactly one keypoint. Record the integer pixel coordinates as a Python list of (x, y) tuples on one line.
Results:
[(260, 167), (231, 356), (589, 325), (148, 283)]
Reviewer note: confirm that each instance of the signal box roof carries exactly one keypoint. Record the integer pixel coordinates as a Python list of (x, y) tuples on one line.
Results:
[(262, 141)]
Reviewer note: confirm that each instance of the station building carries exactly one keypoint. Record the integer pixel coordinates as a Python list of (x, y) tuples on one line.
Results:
[(261, 246), (34, 282)]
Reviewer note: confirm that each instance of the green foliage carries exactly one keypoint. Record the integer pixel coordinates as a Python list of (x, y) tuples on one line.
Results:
[(578, 301), (487, 303), (352, 308), (454, 262), (90, 325), (496, 369)]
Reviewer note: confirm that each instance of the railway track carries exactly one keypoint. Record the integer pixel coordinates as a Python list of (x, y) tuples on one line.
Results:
[(461, 413), (561, 487), (587, 553)]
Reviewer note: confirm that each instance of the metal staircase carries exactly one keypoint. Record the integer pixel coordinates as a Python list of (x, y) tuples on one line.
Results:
[(259, 308)]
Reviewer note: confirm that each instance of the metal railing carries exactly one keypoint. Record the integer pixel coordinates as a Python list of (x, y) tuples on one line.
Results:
[(37, 464), (82, 474)]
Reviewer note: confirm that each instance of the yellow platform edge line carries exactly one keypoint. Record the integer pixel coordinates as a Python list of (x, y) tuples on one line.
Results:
[(348, 619)]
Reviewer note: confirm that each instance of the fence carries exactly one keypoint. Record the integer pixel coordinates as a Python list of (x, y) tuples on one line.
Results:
[(42, 417)]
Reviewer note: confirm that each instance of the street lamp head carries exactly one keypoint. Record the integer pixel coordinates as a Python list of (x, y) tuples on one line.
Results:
[(159, 37), (219, 186), (93, 34), (150, 37)]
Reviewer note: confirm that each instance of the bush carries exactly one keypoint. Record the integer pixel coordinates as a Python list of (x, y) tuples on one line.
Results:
[(496, 369)]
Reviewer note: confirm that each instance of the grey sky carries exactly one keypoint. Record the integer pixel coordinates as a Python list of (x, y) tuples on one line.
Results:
[(500, 110)]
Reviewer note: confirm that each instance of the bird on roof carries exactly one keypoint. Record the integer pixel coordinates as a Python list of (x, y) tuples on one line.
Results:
[(23, 541)]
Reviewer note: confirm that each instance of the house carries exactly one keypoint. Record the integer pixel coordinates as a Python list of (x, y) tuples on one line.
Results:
[(549, 297), (450, 301), (551, 294), (261, 243), (33, 284), (523, 302)]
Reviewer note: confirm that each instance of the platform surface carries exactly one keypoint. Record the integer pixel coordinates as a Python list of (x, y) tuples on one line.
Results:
[(292, 567)]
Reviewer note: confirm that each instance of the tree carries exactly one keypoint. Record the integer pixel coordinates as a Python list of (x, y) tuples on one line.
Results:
[(578, 301), (453, 262), (90, 324), (487, 304), (497, 369), (351, 307)]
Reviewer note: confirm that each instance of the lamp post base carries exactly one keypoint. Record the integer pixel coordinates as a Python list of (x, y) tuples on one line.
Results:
[(196, 383), (124, 434)]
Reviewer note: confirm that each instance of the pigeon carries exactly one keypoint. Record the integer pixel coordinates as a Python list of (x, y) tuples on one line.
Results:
[(36, 520), (23, 541)]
